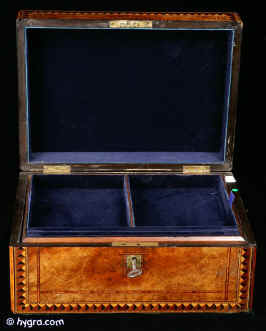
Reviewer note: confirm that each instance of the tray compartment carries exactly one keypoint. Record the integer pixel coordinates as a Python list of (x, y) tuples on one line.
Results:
[(185, 204), (64, 204)]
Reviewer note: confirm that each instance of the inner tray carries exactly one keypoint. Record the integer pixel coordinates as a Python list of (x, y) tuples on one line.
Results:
[(87, 205)]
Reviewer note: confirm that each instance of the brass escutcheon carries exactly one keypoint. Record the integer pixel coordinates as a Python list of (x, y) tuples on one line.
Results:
[(134, 266)]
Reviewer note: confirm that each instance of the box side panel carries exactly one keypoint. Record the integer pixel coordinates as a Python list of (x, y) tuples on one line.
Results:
[(234, 195), (165, 279)]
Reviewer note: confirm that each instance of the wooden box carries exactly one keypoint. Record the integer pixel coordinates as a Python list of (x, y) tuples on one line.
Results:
[(126, 199)]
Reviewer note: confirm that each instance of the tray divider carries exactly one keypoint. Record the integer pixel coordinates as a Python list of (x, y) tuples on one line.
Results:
[(129, 203)]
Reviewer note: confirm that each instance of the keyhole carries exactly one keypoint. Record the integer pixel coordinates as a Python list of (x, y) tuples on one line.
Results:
[(134, 264), (134, 272)]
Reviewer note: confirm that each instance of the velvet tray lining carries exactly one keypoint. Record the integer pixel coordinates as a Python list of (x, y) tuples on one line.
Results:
[(83, 205)]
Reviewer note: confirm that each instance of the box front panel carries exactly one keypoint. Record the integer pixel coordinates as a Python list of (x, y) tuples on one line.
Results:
[(137, 279)]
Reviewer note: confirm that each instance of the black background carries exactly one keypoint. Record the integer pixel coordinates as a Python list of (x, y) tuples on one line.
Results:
[(249, 166)]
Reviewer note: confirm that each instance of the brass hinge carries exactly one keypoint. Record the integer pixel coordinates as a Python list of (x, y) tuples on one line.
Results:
[(130, 24), (196, 169), (56, 169)]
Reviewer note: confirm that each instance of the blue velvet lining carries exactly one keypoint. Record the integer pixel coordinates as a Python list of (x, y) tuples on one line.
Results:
[(81, 205), (127, 157), (128, 96), (181, 201), (77, 201)]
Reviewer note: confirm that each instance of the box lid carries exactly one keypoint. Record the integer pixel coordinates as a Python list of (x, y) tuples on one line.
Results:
[(127, 91)]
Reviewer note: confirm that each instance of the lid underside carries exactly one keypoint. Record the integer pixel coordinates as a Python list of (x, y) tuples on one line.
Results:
[(99, 96)]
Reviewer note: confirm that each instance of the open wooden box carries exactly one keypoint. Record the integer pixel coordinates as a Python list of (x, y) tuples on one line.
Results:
[(126, 200)]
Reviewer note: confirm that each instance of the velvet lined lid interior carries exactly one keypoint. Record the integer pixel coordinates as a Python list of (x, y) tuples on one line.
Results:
[(127, 96)]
